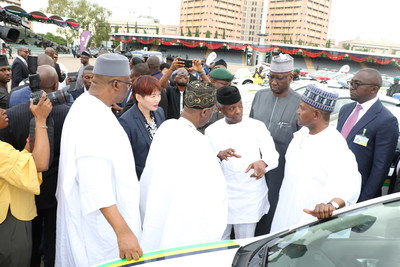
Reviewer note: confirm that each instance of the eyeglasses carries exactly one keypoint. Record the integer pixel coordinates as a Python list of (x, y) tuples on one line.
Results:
[(116, 80), (182, 74), (356, 84), (278, 79)]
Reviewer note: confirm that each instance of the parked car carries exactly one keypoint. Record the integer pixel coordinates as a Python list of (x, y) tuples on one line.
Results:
[(366, 234)]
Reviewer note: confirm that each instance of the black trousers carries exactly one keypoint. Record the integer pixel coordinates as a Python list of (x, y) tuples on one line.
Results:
[(44, 237), (15, 242)]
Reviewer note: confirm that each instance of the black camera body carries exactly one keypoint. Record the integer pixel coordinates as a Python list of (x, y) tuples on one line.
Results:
[(188, 63), (58, 97)]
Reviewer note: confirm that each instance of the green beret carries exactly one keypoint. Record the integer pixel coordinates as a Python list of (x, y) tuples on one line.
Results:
[(397, 78), (221, 74)]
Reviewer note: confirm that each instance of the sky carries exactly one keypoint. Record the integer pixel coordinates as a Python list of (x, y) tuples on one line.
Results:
[(369, 20)]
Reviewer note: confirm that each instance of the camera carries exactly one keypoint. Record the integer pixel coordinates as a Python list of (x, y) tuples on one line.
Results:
[(58, 97), (188, 63)]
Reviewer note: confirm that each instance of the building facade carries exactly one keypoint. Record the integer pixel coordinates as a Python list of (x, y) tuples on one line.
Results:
[(219, 19), (302, 22)]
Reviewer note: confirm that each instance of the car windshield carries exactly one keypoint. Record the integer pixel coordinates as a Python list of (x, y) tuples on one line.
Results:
[(366, 237)]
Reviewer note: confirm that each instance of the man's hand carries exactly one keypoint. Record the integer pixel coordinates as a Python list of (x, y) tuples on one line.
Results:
[(197, 65), (225, 154), (129, 246), (321, 211), (115, 108), (42, 110), (259, 169), (177, 63)]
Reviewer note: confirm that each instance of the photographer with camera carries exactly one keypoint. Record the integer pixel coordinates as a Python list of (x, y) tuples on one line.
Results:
[(175, 94), (20, 180), (19, 120)]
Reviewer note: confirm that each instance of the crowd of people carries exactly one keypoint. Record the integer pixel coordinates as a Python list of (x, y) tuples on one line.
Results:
[(148, 155)]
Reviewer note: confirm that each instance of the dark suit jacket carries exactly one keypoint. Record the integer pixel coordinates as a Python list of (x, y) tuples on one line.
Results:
[(382, 130), (134, 125), (61, 76), (16, 133), (76, 92), (19, 71)]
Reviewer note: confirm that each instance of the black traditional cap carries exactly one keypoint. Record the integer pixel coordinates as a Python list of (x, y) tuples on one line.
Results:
[(85, 53), (200, 95), (4, 60), (228, 95), (221, 62), (221, 74)]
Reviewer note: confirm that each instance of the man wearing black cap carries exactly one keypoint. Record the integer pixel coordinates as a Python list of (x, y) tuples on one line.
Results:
[(242, 145), (183, 194), (320, 168), (85, 62), (5, 77), (98, 193)]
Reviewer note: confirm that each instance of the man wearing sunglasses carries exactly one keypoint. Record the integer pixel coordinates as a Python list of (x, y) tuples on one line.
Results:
[(371, 131), (276, 107)]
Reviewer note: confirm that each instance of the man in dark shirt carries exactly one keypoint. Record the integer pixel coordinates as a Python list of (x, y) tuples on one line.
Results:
[(5, 77)]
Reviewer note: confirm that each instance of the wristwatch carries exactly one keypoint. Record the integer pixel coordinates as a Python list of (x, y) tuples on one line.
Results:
[(334, 204)]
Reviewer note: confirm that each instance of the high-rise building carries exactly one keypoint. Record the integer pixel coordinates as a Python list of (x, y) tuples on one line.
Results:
[(252, 20), (220, 19), (302, 22)]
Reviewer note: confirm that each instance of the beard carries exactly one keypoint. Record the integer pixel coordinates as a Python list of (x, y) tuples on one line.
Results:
[(181, 83)]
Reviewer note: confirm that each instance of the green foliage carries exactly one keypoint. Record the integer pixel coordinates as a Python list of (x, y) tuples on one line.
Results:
[(216, 34), (144, 31), (182, 34), (208, 34), (136, 27), (91, 17), (54, 38), (189, 34), (127, 27), (346, 46), (223, 34), (157, 30), (328, 44), (197, 33)]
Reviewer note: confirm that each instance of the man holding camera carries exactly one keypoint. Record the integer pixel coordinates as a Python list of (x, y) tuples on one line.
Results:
[(176, 93), (19, 119)]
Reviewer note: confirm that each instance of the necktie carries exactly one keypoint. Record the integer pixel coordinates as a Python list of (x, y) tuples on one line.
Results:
[(351, 121)]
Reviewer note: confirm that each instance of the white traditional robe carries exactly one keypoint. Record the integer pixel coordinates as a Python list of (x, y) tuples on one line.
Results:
[(97, 170), (318, 168), (183, 190), (248, 197)]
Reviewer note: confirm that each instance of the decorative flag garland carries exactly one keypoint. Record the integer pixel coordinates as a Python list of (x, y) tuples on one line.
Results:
[(260, 48)]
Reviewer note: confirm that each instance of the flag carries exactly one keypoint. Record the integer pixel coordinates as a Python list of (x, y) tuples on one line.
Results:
[(84, 40)]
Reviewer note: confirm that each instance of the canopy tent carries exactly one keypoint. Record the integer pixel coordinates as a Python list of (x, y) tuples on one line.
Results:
[(41, 17)]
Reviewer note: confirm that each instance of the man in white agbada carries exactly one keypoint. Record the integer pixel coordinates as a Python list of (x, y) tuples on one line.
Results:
[(183, 191), (242, 145), (320, 168), (98, 215)]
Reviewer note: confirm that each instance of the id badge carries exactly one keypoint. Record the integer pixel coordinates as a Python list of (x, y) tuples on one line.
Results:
[(361, 140)]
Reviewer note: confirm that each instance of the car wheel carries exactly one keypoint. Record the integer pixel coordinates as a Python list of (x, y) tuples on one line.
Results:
[(247, 82)]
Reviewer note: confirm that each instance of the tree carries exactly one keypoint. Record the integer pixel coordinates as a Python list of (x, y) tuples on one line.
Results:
[(127, 27), (189, 34), (223, 34), (208, 34), (157, 30), (116, 30), (197, 33), (328, 44), (144, 31), (54, 38), (91, 17), (136, 27), (216, 34), (182, 32)]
